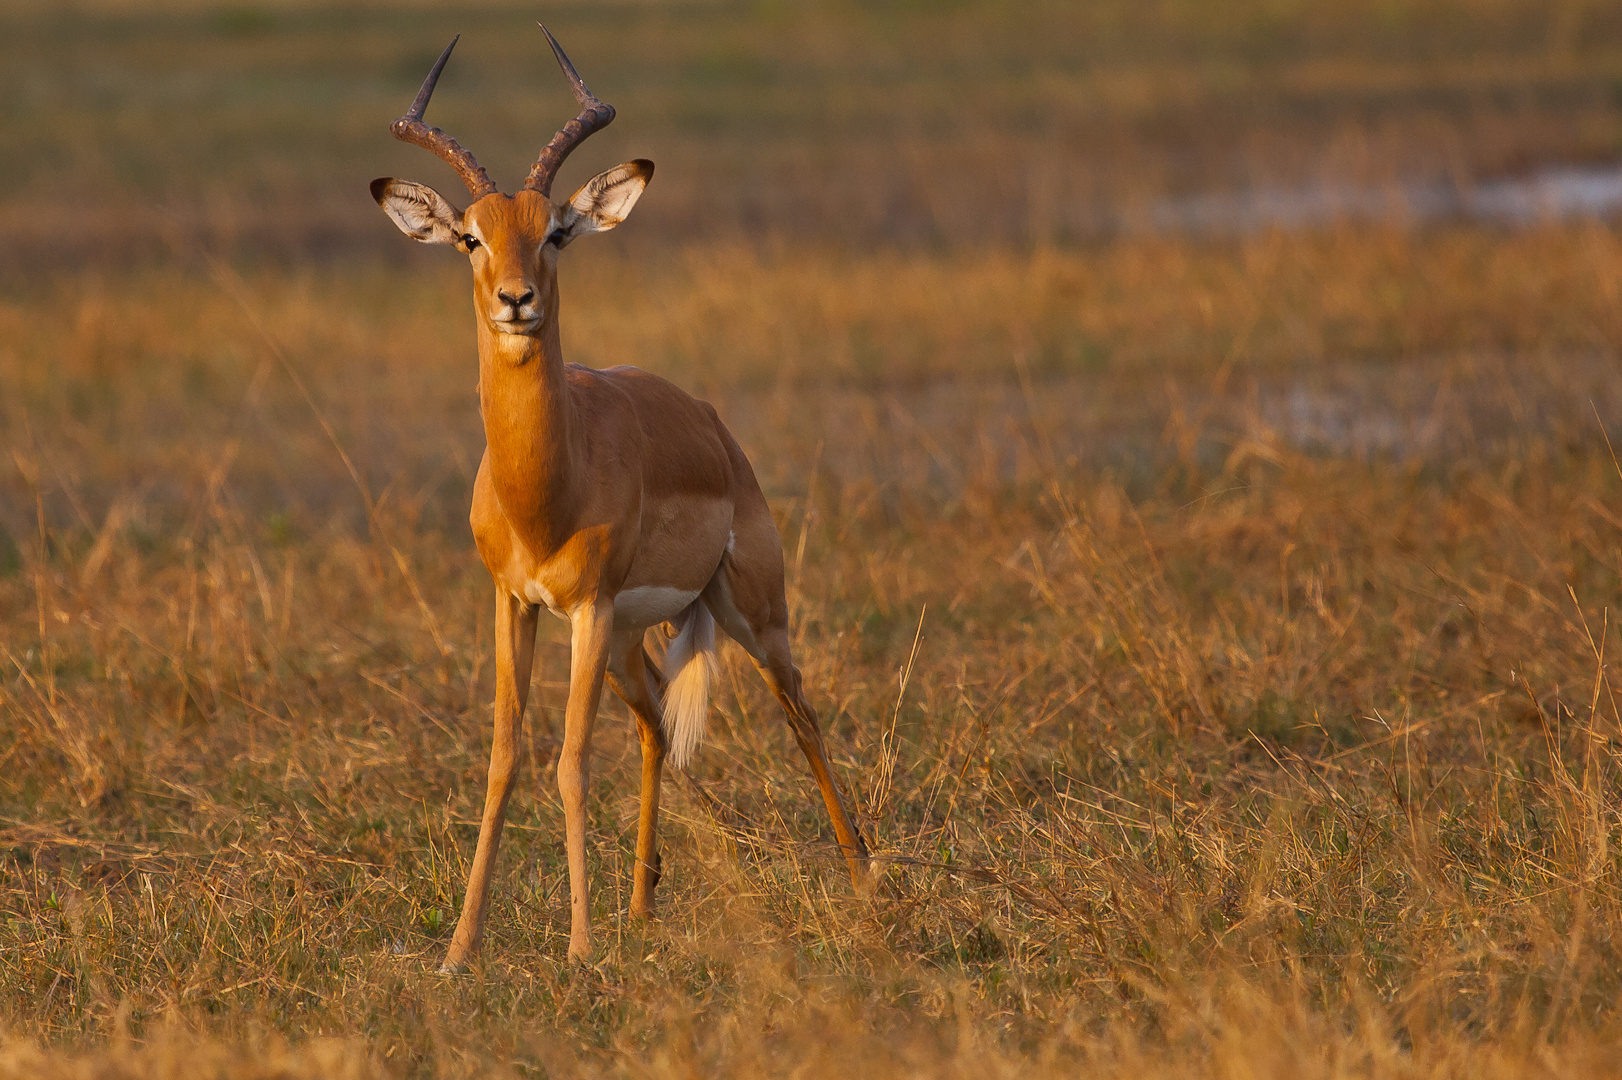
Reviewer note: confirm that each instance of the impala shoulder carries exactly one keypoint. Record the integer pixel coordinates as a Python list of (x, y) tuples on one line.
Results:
[(638, 382), (595, 395)]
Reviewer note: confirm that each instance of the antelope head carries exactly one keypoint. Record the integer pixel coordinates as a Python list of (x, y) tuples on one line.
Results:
[(511, 241)]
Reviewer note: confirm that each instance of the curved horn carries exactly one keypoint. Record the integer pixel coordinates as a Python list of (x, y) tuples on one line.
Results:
[(410, 128), (594, 115)]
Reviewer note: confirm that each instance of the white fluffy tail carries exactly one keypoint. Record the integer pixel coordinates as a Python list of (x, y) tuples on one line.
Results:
[(689, 666)]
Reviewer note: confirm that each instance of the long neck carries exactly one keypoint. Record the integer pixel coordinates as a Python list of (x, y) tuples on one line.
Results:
[(530, 427)]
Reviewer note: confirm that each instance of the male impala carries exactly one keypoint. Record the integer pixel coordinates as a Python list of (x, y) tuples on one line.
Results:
[(611, 497)]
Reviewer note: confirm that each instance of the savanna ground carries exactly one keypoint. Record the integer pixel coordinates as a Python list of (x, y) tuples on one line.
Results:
[(1212, 631)]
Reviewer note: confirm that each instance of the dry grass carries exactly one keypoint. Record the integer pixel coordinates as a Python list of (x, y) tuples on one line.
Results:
[(1213, 638)]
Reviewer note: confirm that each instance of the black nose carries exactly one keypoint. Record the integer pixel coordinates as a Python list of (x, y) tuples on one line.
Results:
[(516, 301)]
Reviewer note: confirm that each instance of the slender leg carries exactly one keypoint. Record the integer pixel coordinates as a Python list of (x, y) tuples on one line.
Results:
[(784, 679), (515, 655), (590, 641), (746, 597), (637, 682)]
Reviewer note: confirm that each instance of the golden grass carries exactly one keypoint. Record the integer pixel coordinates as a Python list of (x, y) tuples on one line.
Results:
[(1214, 640), (1214, 636)]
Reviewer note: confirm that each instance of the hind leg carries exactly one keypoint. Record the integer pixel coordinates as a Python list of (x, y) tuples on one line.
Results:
[(784, 679), (638, 683), (746, 598)]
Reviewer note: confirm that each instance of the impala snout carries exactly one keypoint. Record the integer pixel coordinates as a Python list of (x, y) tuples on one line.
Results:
[(514, 310)]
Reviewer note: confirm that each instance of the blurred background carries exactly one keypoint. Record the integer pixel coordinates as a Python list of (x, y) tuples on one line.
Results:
[(253, 128)]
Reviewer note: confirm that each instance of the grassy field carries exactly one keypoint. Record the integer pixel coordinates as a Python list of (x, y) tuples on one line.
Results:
[(253, 127), (1213, 635)]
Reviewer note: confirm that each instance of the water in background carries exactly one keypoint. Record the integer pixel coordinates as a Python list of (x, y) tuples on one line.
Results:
[(1552, 194)]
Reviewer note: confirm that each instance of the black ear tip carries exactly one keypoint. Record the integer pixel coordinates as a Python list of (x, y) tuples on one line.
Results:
[(645, 166), (379, 186)]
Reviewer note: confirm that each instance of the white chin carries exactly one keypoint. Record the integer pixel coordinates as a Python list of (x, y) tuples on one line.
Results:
[(518, 328)]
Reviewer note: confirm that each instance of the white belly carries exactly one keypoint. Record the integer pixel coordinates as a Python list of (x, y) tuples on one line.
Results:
[(649, 605)]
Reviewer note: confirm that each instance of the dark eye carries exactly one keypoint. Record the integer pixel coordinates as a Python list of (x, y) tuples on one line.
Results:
[(470, 241), (554, 237)]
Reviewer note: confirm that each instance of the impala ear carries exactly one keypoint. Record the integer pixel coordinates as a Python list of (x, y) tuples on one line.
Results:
[(606, 199), (421, 212)]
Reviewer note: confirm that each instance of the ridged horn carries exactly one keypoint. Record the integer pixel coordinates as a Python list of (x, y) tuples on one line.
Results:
[(411, 128), (594, 115)]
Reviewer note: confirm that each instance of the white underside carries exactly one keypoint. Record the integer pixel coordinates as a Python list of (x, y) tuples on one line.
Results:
[(643, 606), (649, 605)]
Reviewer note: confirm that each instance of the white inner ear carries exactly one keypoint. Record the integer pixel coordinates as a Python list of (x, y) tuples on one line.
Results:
[(421, 212), (605, 200)]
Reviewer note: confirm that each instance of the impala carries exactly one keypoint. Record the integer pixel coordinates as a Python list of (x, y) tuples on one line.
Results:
[(611, 498)]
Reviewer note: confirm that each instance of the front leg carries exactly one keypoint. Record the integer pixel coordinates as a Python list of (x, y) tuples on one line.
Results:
[(593, 626), (515, 655)]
